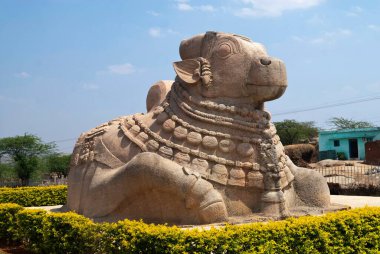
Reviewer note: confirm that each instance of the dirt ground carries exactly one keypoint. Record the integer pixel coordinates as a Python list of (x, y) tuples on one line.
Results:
[(12, 250), (355, 201), (348, 172), (339, 164)]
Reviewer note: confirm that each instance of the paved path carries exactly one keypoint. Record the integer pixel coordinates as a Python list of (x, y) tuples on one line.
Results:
[(355, 201), (53, 208)]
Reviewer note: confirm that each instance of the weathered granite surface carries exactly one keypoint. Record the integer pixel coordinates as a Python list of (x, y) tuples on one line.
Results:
[(205, 151)]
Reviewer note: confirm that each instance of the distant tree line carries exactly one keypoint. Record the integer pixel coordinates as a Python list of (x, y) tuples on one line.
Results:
[(294, 132), (21, 156), (341, 123)]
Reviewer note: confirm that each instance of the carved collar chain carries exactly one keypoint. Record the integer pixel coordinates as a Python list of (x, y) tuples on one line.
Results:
[(179, 96), (247, 113)]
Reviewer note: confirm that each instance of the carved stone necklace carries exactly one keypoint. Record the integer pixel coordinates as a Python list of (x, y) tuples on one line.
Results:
[(263, 129), (187, 125), (241, 111)]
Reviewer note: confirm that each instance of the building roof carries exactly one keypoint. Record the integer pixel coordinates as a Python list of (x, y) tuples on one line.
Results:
[(373, 129)]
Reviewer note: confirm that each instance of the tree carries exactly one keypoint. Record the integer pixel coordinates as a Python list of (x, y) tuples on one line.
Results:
[(6, 170), (59, 163), (293, 132), (25, 151), (341, 123)]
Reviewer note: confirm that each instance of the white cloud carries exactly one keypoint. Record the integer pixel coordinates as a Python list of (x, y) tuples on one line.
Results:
[(327, 38), (354, 11), (273, 8), (90, 86), (153, 13), (23, 74), (331, 37), (184, 5), (374, 28), (155, 32), (121, 69), (171, 31)]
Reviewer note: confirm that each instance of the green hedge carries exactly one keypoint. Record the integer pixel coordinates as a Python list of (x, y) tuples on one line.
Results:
[(355, 231), (8, 223), (34, 196)]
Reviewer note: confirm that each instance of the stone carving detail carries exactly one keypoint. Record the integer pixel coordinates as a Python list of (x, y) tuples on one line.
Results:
[(168, 125), (237, 178), (226, 145), (245, 149), (152, 145), (209, 142), (204, 146), (219, 174), (180, 132), (201, 166), (194, 138)]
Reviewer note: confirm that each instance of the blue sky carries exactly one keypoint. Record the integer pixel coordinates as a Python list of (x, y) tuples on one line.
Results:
[(67, 66)]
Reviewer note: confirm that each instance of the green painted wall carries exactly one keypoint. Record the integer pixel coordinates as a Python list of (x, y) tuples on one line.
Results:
[(326, 140)]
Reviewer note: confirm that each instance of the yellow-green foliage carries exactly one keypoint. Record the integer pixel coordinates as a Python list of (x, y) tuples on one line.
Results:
[(8, 221), (34, 196), (56, 232), (355, 231)]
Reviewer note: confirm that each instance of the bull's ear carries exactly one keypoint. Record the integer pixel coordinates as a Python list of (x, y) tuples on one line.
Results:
[(188, 71)]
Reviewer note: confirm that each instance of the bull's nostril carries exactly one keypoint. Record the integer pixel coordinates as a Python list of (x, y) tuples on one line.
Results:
[(265, 61)]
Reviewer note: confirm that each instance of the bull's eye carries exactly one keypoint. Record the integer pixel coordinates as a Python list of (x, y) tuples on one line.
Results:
[(224, 50)]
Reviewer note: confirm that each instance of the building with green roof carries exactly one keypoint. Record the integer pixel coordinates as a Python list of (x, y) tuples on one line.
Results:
[(350, 142)]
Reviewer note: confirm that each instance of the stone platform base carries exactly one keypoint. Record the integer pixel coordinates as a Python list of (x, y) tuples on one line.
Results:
[(340, 202)]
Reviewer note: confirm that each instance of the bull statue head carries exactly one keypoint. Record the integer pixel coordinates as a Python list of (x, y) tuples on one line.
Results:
[(222, 65)]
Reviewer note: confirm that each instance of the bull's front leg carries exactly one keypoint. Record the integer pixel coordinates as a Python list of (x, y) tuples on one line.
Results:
[(154, 189)]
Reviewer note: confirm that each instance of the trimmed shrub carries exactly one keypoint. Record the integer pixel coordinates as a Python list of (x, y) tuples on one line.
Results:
[(34, 196), (43, 232), (354, 231), (68, 233), (30, 224), (301, 154), (341, 156), (138, 237), (8, 226)]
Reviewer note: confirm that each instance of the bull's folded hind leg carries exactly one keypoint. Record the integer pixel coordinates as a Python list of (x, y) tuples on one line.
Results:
[(310, 188), (155, 189)]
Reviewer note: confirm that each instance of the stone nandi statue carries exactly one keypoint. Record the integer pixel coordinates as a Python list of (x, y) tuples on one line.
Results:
[(205, 150)]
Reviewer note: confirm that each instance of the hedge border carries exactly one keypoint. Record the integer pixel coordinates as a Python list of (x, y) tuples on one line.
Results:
[(34, 196), (355, 231)]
